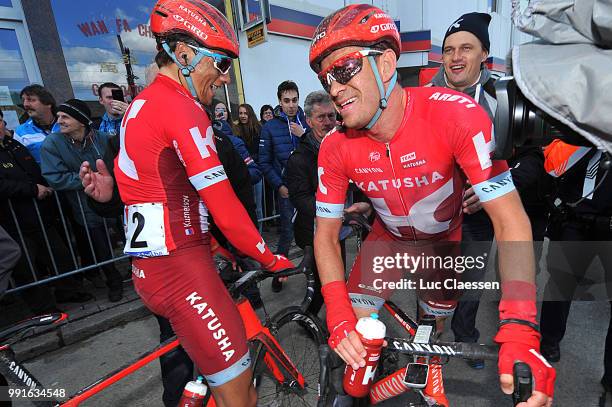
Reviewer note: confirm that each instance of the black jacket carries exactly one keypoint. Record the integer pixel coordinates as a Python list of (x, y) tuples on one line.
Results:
[(19, 174), (530, 179), (235, 168), (302, 181), (238, 176)]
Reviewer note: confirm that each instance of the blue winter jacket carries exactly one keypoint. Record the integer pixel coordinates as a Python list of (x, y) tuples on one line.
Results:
[(32, 136), (276, 145)]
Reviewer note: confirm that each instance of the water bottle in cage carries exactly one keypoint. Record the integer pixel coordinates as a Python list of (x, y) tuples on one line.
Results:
[(194, 393)]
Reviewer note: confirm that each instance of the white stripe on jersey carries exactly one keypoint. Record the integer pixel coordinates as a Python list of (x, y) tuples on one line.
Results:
[(329, 210), (494, 187), (208, 177)]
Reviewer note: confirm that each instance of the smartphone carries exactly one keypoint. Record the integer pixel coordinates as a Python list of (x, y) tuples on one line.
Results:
[(117, 95), (416, 375)]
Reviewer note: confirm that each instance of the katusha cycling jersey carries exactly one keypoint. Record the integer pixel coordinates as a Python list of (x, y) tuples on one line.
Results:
[(169, 177), (416, 181)]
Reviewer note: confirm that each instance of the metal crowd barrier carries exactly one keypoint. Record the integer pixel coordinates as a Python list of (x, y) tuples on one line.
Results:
[(65, 226), (66, 229)]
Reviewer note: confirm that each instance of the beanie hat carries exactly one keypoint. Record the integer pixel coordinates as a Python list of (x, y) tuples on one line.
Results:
[(77, 109), (475, 23)]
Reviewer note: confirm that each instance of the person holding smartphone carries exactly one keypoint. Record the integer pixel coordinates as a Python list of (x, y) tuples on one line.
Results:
[(111, 97)]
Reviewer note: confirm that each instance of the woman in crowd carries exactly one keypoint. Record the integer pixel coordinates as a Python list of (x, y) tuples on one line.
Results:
[(248, 129), (266, 113)]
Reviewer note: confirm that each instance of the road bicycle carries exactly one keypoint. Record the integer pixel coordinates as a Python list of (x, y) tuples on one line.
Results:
[(420, 369), (285, 350)]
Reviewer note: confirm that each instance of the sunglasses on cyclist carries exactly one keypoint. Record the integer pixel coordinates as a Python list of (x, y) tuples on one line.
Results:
[(345, 68), (222, 63)]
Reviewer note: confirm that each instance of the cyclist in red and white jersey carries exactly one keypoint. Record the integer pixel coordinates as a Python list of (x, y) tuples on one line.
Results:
[(169, 177), (410, 151)]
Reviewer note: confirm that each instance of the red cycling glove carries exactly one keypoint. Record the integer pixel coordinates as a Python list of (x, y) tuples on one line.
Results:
[(280, 263), (520, 342), (341, 319)]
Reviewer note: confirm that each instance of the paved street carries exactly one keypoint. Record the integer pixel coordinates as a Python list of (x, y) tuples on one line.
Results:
[(578, 372)]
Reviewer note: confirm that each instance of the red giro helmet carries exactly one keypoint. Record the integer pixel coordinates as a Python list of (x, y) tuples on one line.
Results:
[(355, 25), (197, 19)]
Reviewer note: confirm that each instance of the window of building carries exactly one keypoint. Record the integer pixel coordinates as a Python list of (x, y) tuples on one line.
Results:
[(493, 6), (250, 12), (14, 73)]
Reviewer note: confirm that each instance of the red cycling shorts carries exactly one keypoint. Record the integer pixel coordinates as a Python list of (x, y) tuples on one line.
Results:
[(185, 288), (372, 282)]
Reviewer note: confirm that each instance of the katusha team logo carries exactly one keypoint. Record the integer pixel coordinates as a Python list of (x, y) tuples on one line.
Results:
[(374, 156)]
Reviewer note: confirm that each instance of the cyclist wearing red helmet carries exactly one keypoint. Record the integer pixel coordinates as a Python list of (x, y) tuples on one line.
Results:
[(410, 150), (169, 177)]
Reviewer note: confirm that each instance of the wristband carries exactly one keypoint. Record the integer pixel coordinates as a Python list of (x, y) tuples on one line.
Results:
[(520, 322), (338, 303)]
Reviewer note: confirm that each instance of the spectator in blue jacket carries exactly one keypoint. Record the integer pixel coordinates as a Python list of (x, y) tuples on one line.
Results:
[(114, 109), (39, 104), (279, 137)]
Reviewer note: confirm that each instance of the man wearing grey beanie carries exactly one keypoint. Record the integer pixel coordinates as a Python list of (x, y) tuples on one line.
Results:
[(61, 156)]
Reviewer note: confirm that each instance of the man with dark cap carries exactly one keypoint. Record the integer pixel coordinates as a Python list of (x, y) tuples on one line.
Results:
[(465, 50), (61, 156)]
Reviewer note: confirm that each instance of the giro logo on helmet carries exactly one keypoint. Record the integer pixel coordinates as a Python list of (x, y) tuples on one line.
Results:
[(202, 35), (382, 27), (319, 36)]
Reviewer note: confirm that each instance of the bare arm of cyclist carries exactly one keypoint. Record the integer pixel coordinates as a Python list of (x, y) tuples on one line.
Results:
[(516, 265), (341, 319), (492, 182)]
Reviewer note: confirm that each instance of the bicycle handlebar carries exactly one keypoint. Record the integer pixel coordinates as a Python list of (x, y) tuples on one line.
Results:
[(242, 281), (451, 349)]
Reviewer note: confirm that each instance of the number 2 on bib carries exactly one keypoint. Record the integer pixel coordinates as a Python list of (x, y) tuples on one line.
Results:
[(144, 230)]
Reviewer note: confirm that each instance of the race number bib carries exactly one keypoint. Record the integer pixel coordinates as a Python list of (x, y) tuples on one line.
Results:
[(144, 230)]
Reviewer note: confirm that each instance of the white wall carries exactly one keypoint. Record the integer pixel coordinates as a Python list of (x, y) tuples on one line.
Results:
[(439, 14), (265, 66)]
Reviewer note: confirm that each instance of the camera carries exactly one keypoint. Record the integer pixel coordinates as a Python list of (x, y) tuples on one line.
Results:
[(519, 122)]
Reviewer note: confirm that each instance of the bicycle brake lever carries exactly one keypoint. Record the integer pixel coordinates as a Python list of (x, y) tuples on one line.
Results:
[(523, 383), (356, 219)]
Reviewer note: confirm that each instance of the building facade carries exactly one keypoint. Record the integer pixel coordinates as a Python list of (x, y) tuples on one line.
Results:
[(71, 46)]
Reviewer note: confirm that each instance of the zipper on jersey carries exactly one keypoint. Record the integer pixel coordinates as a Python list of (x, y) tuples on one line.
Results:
[(399, 193)]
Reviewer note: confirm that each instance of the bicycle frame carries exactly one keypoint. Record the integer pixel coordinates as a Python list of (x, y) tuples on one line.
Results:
[(392, 385), (255, 331), (282, 368), (10, 367), (276, 360)]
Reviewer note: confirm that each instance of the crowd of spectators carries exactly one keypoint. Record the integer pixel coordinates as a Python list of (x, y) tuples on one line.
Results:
[(60, 229)]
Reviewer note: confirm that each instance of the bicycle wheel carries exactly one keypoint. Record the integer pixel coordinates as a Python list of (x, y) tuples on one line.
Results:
[(299, 334)]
